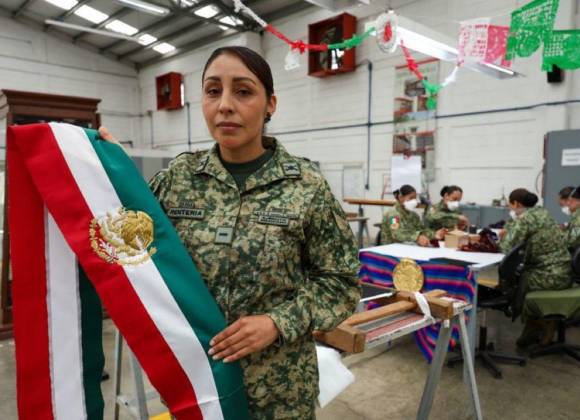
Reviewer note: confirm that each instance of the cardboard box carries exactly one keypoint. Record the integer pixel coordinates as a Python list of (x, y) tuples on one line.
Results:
[(456, 239)]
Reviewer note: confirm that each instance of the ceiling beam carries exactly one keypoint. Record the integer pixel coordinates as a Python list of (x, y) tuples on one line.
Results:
[(66, 14), (156, 25), (118, 14), (183, 49), (22, 7)]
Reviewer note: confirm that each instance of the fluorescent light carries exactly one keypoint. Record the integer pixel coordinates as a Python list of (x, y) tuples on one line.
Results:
[(87, 29), (122, 28), (207, 12), (228, 20), (146, 7), (188, 3), (164, 48), (90, 14), (63, 4), (147, 39), (499, 68)]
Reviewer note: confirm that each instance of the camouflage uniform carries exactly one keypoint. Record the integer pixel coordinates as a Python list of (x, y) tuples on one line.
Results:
[(282, 247), (402, 225), (439, 216), (547, 264), (573, 231)]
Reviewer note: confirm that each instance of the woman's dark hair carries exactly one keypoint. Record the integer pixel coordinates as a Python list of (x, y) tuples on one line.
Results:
[(575, 193), (252, 60), (565, 192), (524, 197), (450, 189), (404, 190)]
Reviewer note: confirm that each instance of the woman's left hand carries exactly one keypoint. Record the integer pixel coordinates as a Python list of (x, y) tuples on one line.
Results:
[(247, 335)]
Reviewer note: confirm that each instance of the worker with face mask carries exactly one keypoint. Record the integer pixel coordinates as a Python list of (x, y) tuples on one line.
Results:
[(402, 224), (446, 214)]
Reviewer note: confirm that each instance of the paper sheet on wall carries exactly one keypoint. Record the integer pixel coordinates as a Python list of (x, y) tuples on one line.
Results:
[(352, 182), (406, 170)]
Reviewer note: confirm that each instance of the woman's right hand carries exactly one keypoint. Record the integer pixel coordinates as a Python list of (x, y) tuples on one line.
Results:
[(440, 234), (422, 240), (107, 136)]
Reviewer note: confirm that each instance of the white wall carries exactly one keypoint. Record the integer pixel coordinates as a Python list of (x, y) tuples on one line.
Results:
[(31, 60), (485, 154)]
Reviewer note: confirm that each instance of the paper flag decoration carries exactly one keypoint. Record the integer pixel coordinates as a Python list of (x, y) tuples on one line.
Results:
[(562, 48), (496, 45), (473, 39), (530, 26)]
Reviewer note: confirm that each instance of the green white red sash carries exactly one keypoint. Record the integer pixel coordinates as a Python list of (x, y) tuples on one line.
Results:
[(86, 229)]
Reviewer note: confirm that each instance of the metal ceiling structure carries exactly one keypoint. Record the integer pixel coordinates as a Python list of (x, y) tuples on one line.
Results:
[(181, 27)]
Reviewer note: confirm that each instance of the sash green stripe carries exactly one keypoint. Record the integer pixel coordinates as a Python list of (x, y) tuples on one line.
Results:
[(92, 347), (177, 269)]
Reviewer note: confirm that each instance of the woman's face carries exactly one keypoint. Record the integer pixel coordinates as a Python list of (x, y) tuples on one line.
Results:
[(454, 196), (234, 103)]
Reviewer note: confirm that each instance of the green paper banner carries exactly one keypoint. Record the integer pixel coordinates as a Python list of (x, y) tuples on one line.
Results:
[(531, 25), (562, 49)]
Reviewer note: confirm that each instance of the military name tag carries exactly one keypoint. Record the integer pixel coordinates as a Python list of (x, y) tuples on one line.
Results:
[(273, 220), (186, 213)]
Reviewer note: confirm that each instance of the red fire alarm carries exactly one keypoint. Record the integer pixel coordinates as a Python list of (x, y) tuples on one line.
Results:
[(169, 91)]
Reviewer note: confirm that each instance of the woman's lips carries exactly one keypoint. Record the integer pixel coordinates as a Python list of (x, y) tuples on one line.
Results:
[(228, 127)]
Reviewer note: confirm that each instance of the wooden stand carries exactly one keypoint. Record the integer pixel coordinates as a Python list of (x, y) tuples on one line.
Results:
[(20, 108)]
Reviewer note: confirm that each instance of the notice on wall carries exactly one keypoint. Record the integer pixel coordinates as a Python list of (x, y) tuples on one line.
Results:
[(406, 170), (571, 157)]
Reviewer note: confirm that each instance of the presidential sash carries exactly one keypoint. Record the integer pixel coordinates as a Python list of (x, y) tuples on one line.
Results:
[(85, 229)]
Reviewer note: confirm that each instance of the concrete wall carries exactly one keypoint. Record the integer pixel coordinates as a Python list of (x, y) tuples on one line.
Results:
[(31, 60), (486, 153)]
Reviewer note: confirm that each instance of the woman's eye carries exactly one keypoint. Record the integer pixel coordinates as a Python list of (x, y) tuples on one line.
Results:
[(244, 92), (212, 91)]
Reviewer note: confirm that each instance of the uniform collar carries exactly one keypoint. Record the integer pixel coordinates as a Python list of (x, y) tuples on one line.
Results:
[(282, 165)]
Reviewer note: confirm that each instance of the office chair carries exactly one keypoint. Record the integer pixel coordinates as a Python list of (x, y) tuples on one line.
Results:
[(508, 298), (567, 302)]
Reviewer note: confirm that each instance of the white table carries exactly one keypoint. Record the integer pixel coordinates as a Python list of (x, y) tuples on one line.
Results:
[(479, 261)]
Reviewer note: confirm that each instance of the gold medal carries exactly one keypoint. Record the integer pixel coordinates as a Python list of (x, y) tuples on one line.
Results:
[(408, 276)]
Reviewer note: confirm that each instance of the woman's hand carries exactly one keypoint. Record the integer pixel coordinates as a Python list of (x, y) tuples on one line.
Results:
[(107, 136), (502, 233), (247, 335), (440, 234), (422, 240), (463, 222)]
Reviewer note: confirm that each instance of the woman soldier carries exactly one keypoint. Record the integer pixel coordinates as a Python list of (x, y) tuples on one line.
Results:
[(547, 263), (266, 234), (402, 224), (446, 213)]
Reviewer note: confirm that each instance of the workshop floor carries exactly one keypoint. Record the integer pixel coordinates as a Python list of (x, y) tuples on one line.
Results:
[(389, 384)]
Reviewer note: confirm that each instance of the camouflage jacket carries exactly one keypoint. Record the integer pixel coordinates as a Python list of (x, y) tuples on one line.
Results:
[(439, 216), (573, 231), (401, 225), (280, 247), (547, 264)]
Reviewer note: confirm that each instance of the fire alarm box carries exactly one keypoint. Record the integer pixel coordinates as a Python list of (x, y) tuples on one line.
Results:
[(331, 31), (169, 91)]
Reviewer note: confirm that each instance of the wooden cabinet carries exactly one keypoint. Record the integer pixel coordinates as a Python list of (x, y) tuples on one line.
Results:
[(331, 31), (17, 108)]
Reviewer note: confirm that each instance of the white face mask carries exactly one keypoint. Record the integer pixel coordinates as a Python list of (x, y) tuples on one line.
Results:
[(411, 204), (566, 210), (453, 205), (513, 214)]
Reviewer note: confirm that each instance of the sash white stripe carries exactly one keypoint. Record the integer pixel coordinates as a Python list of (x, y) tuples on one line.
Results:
[(64, 326), (146, 280)]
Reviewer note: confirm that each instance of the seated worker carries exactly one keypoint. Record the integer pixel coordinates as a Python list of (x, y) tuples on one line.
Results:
[(563, 196), (572, 231), (547, 265), (446, 214), (402, 224)]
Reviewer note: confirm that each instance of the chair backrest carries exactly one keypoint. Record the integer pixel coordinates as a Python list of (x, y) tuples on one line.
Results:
[(511, 283)]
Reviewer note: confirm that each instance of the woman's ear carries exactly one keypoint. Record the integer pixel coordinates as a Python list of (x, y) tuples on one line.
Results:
[(271, 106)]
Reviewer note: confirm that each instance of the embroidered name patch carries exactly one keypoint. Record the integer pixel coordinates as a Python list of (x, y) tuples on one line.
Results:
[(186, 213)]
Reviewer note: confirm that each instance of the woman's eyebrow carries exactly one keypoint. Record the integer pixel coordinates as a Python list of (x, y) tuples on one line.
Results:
[(236, 79)]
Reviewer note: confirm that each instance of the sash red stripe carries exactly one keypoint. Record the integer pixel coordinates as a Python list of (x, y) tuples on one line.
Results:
[(62, 196), (26, 216)]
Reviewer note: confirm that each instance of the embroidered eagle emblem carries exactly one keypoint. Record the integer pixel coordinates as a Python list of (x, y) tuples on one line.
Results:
[(123, 237)]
